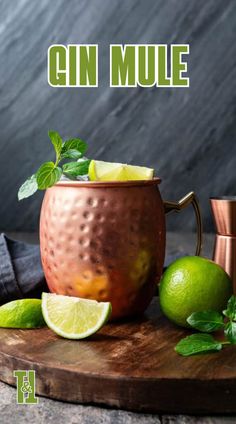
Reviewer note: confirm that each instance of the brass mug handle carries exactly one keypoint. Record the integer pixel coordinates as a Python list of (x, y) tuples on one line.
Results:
[(189, 199)]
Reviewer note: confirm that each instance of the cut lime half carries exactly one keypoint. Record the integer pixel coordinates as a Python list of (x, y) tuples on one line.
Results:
[(109, 171), (73, 317)]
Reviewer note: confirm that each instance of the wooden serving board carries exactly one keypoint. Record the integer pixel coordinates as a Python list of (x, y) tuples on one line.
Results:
[(130, 365)]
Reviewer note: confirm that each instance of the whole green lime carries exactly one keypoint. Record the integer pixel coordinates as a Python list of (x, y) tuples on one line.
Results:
[(192, 284)]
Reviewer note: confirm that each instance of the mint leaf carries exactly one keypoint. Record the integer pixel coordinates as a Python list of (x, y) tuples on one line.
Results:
[(74, 144), (230, 312), (197, 343), (230, 332), (71, 154), (206, 321), (57, 143), (73, 169), (29, 187), (47, 175)]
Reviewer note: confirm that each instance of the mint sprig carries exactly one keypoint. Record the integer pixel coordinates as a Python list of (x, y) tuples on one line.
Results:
[(207, 322), (72, 169), (230, 312), (49, 173), (74, 144), (29, 187), (230, 327), (57, 143), (197, 343), (71, 154), (230, 331)]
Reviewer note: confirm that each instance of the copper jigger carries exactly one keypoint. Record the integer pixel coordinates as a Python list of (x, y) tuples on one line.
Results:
[(224, 213), (106, 240)]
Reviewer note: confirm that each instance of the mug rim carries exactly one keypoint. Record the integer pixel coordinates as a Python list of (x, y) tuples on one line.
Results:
[(224, 198), (130, 183)]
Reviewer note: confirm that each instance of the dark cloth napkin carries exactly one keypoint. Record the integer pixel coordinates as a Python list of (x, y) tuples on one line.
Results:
[(21, 273)]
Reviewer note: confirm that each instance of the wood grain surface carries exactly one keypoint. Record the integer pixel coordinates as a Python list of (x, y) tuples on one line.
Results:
[(130, 365), (187, 135)]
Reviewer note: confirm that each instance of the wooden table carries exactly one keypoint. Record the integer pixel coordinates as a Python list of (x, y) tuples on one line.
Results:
[(53, 411)]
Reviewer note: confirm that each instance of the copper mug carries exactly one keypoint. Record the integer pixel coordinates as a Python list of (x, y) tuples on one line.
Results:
[(106, 240), (224, 214)]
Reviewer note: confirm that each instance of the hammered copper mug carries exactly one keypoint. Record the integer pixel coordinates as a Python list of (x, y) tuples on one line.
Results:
[(106, 240), (224, 214)]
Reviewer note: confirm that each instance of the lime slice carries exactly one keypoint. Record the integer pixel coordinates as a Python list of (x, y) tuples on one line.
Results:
[(108, 171), (72, 317), (23, 313)]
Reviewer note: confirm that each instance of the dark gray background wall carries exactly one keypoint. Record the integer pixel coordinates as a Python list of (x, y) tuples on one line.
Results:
[(188, 135)]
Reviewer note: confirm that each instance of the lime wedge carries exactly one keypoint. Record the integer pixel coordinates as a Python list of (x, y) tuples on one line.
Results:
[(23, 313), (109, 171), (72, 317)]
